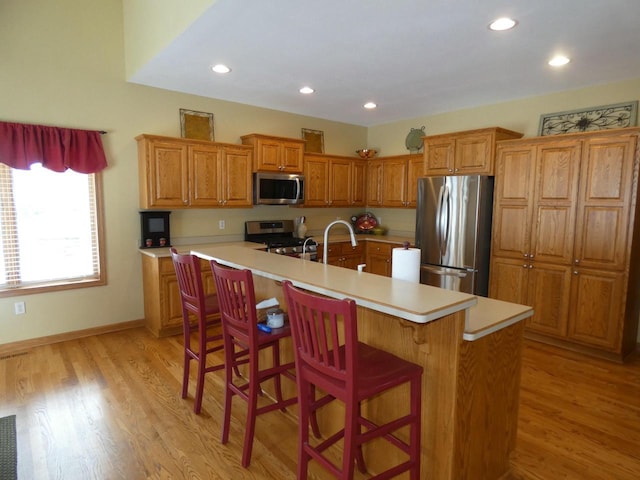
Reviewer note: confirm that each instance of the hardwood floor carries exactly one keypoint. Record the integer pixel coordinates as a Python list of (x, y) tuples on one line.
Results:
[(109, 407)]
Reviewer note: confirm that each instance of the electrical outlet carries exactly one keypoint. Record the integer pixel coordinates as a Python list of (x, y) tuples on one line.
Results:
[(221, 224), (19, 308)]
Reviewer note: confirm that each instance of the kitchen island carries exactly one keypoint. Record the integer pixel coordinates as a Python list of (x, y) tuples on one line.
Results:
[(470, 348)]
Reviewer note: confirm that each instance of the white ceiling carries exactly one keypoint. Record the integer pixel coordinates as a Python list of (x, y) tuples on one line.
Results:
[(412, 57)]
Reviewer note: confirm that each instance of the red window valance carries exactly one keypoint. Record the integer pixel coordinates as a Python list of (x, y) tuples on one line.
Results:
[(57, 149)]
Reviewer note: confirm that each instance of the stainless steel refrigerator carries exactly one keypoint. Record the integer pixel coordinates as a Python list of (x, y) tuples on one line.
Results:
[(453, 232)]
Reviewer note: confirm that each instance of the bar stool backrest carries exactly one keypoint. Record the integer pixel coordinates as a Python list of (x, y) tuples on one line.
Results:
[(325, 336)]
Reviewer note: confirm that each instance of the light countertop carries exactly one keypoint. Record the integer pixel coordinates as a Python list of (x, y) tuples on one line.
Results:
[(411, 301)]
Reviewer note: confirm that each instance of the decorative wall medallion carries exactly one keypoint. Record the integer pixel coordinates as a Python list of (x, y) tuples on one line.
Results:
[(413, 141), (592, 119)]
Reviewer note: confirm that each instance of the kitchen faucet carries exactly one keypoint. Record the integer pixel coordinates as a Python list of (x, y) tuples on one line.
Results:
[(354, 242), (304, 246)]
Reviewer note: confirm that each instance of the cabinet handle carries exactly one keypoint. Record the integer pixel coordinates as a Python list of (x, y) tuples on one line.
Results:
[(530, 266), (525, 255), (575, 272), (576, 261), (531, 255), (525, 265)]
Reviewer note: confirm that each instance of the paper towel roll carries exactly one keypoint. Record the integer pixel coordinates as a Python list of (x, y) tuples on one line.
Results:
[(406, 264)]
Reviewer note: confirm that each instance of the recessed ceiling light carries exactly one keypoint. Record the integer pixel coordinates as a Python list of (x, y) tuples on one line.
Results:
[(306, 90), (370, 105), (503, 23), (558, 61), (220, 68)]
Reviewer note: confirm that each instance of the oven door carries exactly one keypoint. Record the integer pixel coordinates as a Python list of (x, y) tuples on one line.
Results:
[(277, 189)]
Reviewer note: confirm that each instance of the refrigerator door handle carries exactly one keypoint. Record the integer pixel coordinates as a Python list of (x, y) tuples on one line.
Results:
[(445, 226), (444, 271), (439, 217)]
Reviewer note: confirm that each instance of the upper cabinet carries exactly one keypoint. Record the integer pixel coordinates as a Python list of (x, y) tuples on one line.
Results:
[(464, 153), (183, 173), (393, 181), (276, 154), (334, 181)]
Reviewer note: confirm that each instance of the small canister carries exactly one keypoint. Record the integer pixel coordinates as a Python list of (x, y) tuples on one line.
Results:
[(275, 318)]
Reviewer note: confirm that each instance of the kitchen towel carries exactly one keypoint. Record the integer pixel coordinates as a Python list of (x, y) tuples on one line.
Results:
[(405, 264)]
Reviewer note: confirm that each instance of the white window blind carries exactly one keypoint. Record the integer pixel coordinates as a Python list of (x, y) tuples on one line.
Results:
[(49, 228)]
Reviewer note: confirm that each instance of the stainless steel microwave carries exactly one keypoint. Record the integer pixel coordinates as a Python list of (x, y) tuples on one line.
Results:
[(277, 189)]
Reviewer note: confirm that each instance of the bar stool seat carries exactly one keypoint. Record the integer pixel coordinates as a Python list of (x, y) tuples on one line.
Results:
[(329, 357)]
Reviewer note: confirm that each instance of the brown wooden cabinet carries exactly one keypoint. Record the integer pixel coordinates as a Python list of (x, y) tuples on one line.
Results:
[(464, 153), (378, 257), (276, 154), (563, 235), (162, 306), (393, 181), (183, 173), (334, 181), (342, 254)]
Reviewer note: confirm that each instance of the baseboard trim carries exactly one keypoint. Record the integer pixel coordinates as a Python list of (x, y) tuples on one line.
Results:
[(16, 347)]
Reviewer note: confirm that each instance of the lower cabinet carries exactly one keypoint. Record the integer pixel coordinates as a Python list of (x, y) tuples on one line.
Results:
[(378, 257), (342, 254), (162, 305)]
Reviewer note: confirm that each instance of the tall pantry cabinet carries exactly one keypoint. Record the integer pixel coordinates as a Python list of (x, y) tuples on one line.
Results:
[(566, 240)]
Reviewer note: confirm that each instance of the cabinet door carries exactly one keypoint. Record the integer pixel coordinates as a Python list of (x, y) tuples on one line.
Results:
[(167, 174), (351, 256), (415, 170), (292, 157), (604, 203), (508, 280), (316, 181), (596, 316), (236, 175), (170, 303), (513, 190), (473, 155), (268, 155), (378, 258), (374, 183), (394, 182), (358, 183), (548, 292), (554, 202), (205, 176), (340, 183), (439, 156)]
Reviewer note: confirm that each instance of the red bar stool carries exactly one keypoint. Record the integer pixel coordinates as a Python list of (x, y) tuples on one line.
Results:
[(351, 372), (208, 327), (243, 342)]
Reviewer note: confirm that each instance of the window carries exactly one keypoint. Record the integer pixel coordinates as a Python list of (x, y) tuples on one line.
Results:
[(50, 224)]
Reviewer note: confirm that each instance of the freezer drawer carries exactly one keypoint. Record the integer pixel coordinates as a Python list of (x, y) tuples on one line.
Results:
[(449, 278)]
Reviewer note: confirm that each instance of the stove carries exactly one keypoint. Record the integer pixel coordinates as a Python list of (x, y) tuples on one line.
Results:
[(277, 235)]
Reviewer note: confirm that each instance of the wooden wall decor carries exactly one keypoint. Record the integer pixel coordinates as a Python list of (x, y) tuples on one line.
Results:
[(196, 125)]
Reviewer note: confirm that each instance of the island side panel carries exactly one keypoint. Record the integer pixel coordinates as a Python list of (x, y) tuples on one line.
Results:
[(488, 399), (436, 346)]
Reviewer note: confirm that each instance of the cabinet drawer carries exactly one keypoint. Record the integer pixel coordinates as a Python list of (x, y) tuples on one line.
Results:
[(379, 248)]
